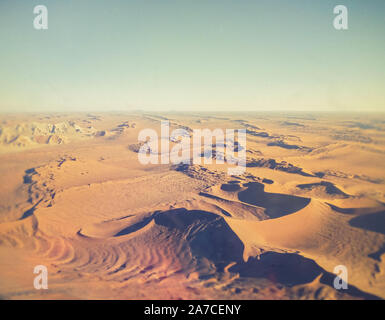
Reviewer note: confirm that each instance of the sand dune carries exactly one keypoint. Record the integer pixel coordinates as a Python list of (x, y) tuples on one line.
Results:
[(109, 227)]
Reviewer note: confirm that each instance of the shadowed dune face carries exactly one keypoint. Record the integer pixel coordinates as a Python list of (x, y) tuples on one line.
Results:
[(372, 222), (133, 228), (324, 186), (290, 269), (285, 268), (276, 205), (107, 226), (230, 187), (208, 234)]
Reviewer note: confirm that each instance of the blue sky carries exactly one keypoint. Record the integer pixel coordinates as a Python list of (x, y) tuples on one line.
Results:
[(212, 55)]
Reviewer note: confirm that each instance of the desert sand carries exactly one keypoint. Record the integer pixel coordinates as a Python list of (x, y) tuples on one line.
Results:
[(75, 198)]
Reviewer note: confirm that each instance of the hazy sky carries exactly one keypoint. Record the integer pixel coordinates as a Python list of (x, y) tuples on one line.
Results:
[(184, 55)]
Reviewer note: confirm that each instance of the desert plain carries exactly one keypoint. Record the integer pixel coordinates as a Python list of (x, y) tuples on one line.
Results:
[(75, 198)]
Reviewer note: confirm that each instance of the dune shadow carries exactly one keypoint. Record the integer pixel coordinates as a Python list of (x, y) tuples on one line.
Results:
[(208, 235), (291, 269), (377, 254), (341, 210), (276, 204), (372, 222), (230, 187), (288, 269), (27, 213), (329, 188), (134, 227)]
